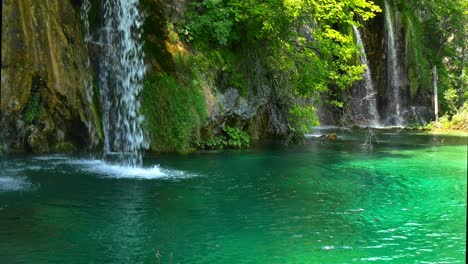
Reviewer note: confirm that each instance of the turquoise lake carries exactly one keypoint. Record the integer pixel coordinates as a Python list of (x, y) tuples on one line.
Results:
[(403, 201)]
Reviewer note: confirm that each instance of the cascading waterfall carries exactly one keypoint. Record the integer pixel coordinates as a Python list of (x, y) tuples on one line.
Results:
[(371, 114), (121, 70), (393, 74)]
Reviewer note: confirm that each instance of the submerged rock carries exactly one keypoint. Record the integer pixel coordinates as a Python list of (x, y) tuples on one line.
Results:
[(331, 136)]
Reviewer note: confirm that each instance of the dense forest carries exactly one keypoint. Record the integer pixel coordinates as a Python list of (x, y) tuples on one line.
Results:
[(220, 73)]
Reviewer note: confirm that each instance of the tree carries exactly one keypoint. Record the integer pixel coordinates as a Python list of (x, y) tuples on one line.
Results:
[(446, 33), (300, 47)]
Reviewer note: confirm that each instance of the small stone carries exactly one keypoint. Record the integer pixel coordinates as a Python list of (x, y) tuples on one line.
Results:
[(331, 136)]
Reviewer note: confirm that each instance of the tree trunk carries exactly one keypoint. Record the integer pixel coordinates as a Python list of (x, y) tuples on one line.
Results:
[(436, 101), (460, 89)]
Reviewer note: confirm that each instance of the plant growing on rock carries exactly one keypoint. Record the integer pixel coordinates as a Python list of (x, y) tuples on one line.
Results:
[(232, 137)]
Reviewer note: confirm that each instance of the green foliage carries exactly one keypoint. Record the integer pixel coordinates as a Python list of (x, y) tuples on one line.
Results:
[(172, 35), (33, 109), (236, 137), (231, 67), (216, 23), (419, 70), (303, 118), (174, 113), (451, 98), (232, 137), (282, 56), (437, 32), (458, 121)]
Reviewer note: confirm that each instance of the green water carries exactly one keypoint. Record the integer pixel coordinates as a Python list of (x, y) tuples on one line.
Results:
[(323, 202)]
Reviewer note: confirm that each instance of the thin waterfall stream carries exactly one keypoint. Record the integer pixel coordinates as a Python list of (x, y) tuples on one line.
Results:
[(393, 73), (371, 112)]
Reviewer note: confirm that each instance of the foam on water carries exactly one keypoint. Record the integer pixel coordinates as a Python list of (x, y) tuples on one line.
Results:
[(8, 183), (111, 170), (119, 171), (52, 157)]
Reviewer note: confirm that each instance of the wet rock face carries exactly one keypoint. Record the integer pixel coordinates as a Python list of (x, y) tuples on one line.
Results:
[(376, 43), (232, 109), (43, 61)]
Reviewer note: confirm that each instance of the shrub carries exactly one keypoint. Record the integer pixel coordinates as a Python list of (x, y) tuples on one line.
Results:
[(459, 121), (232, 137)]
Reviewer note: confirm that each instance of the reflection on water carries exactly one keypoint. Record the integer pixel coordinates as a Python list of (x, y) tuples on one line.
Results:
[(323, 202)]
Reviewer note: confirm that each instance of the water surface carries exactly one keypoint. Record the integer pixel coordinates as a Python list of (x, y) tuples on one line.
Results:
[(404, 201)]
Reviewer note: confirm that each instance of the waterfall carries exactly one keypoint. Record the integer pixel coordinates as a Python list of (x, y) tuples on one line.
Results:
[(371, 113), (393, 74), (121, 70), (84, 13)]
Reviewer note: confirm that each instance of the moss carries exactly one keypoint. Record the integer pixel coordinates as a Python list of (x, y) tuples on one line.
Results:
[(94, 14), (44, 59), (155, 33), (174, 113), (33, 109), (419, 71), (97, 109), (413, 81), (64, 147)]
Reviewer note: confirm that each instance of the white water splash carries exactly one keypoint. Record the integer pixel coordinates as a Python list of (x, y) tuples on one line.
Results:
[(130, 172), (106, 169), (370, 97)]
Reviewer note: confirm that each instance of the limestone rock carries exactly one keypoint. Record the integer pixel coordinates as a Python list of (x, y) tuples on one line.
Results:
[(44, 56), (231, 106)]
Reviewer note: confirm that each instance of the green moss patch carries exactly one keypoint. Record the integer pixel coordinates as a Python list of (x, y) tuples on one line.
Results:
[(174, 113)]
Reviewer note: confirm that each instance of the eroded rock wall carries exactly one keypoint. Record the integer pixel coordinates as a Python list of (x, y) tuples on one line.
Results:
[(47, 98)]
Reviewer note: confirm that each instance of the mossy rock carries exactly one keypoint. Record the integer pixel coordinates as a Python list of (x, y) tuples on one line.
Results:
[(64, 147)]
